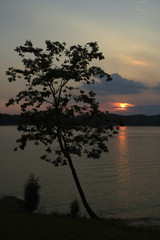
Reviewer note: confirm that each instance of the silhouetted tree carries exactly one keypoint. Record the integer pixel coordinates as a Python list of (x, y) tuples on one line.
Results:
[(55, 107), (74, 208), (31, 193)]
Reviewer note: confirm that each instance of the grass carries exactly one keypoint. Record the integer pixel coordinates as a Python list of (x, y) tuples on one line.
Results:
[(16, 224)]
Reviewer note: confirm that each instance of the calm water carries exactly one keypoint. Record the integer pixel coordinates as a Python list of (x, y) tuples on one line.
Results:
[(124, 183)]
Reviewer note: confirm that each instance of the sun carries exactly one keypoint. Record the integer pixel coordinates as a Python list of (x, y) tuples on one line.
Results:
[(122, 106), (125, 106)]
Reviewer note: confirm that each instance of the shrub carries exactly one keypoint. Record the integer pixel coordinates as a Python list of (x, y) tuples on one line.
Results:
[(74, 208), (31, 193)]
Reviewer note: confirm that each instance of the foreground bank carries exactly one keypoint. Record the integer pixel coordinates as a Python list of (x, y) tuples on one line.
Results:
[(17, 224)]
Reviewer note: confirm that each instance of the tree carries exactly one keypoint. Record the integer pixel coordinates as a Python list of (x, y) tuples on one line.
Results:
[(55, 107), (31, 193), (74, 208)]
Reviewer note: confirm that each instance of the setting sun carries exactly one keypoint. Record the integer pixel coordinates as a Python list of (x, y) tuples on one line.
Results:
[(125, 106), (120, 106)]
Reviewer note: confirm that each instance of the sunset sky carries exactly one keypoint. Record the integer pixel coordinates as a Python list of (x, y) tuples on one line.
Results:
[(127, 32)]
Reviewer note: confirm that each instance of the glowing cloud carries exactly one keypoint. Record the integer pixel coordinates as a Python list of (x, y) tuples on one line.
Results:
[(141, 63), (138, 62)]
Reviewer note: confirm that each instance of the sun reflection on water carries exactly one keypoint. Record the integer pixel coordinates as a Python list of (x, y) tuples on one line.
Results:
[(123, 193), (123, 161)]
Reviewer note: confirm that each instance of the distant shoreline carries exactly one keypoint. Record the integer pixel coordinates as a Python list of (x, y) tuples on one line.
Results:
[(127, 120)]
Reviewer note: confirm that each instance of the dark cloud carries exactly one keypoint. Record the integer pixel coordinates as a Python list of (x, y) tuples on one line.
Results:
[(118, 85), (146, 109), (157, 88)]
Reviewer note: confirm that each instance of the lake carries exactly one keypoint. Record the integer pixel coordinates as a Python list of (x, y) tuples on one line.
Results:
[(124, 183)]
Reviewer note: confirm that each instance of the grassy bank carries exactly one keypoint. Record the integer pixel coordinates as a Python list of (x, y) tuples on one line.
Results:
[(17, 224)]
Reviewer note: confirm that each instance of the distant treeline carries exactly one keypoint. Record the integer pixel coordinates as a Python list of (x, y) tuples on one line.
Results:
[(7, 119), (127, 120), (138, 120)]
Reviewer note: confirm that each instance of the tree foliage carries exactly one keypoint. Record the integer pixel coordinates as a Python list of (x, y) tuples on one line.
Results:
[(53, 107)]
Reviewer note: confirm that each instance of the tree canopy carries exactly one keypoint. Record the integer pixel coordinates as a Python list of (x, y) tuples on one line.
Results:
[(53, 107)]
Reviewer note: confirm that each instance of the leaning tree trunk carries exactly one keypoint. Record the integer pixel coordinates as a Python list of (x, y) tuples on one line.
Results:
[(80, 190), (83, 198)]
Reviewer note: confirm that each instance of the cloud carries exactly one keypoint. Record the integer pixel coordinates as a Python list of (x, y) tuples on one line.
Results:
[(147, 109), (157, 88), (118, 85)]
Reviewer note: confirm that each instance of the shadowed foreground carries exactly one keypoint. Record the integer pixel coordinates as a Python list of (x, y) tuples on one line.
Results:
[(17, 224)]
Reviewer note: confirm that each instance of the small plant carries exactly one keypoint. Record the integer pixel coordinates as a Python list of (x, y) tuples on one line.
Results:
[(74, 208), (31, 193)]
